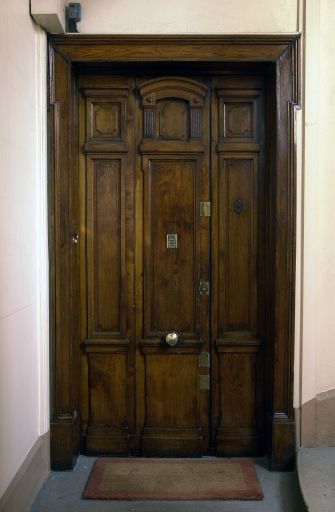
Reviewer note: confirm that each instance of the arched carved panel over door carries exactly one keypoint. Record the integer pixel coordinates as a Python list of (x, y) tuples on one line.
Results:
[(172, 109)]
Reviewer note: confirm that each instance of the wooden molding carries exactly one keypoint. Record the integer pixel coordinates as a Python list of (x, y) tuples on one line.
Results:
[(64, 438), (282, 456), (282, 54), (89, 48)]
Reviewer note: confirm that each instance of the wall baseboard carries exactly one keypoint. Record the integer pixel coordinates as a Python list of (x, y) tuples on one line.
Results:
[(318, 420), (325, 418), (308, 424), (26, 483)]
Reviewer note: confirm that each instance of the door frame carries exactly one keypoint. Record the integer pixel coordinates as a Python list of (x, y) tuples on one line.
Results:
[(68, 54)]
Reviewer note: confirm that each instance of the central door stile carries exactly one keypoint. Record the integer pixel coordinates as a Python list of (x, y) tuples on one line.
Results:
[(172, 258)]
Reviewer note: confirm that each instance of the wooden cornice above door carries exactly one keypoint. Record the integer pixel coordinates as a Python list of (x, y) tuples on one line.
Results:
[(70, 54), (237, 47)]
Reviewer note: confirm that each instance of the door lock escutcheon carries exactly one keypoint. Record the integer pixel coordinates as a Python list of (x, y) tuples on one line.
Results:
[(204, 288), (75, 238)]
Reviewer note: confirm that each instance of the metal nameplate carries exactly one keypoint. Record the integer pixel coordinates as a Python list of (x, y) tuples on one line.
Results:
[(171, 241)]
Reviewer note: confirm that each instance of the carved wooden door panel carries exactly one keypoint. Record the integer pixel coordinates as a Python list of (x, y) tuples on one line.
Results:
[(173, 248), (238, 265), (106, 114)]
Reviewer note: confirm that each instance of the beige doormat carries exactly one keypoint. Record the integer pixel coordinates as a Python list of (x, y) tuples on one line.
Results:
[(173, 479)]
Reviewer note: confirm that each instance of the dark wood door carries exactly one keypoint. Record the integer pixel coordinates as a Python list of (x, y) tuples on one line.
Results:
[(157, 156)]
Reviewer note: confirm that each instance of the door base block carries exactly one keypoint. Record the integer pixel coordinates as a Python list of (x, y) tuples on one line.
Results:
[(282, 456), (64, 441)]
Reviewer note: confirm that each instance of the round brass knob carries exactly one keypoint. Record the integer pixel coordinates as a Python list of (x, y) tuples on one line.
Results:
[(172, 338)]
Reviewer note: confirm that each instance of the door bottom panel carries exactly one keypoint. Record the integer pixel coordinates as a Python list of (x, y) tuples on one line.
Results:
[(172, 443), (116, 443)]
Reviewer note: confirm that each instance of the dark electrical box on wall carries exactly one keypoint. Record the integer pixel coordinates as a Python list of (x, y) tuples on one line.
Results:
[(73, 16)]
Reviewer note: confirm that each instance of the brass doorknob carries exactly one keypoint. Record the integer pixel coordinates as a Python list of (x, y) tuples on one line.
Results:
[(172, 338)]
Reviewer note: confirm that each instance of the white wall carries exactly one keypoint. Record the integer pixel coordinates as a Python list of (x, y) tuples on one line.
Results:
[(318, 242), (23, 292), (309, 228), (188, 16), (325, 341)]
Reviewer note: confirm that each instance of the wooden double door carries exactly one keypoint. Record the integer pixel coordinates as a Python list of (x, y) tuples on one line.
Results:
[(172, 257)]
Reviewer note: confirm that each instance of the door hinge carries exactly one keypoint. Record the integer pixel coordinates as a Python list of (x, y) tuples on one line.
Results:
[(205, 209)]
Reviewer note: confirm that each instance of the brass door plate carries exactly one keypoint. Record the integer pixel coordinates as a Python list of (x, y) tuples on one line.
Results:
[(204, 382), (171, 241), (204, 360), (205, 209)]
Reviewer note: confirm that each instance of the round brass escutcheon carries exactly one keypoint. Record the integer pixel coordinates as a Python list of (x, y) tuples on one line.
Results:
[(172, 338)]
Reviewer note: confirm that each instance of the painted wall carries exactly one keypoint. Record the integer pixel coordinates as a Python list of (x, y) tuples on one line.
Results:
[(188, 16), (310, 220), (23, 319), (325, 364), (317, 320)]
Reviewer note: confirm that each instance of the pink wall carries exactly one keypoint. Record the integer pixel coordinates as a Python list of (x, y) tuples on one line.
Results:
[(22, 255)]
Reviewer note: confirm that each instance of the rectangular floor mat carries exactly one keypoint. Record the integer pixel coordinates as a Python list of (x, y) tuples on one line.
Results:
[(173, 479)]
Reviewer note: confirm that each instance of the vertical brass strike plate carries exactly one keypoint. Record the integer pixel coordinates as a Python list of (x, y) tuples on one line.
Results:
[(204, 382), (204, 360), (205, 209)]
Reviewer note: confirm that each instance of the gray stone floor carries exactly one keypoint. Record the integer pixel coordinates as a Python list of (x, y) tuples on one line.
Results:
[(62, 493), (317, 477)]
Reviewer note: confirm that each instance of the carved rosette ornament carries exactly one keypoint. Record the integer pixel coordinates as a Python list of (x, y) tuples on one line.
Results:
[(238, 206)]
